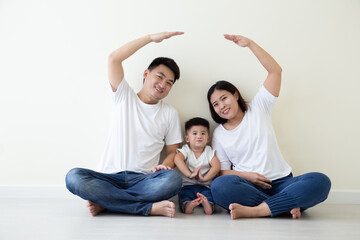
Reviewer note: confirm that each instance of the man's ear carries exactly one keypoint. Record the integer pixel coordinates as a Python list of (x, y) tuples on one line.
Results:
[(146, 72), (186, 138)]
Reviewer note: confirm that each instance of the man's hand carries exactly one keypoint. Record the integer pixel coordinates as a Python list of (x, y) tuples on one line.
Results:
[(158, 37), (160, 167)]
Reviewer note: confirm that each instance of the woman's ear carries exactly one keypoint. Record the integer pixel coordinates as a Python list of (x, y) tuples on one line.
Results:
[(236, 95)]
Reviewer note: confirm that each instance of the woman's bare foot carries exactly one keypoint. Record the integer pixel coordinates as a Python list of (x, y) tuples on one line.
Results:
[(163, 208), (94, 208), (189, 206), (295, 213), (208, 209), (240, 211)]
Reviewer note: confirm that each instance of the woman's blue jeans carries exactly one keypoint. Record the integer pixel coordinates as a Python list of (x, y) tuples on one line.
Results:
[(124, 192), (290, 192)]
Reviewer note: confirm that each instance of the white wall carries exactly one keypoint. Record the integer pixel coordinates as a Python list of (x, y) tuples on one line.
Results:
[(53, 80)]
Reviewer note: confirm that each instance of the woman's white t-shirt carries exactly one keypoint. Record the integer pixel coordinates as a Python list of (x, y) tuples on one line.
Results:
[(252, 145), (138, 132)]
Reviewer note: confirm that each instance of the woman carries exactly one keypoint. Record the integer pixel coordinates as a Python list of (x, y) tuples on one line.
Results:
[(255, 180)]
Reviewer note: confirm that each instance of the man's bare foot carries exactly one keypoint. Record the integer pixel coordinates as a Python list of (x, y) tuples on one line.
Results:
[(163, 208), (205, 203), (295, 213), (94, 208), (189, 206), (240, 211)]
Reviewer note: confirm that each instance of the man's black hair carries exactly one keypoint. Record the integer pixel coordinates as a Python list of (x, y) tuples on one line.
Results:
[(168, 62)]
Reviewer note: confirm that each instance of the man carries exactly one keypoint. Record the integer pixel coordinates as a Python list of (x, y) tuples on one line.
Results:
[(129, 178)]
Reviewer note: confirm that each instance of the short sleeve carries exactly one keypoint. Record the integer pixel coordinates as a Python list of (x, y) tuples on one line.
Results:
[(221, 155), (209, 153), (185, 150), (121, 93), (263, 100), (173, 135)]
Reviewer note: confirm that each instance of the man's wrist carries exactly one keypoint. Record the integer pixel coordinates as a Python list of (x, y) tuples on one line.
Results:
[(148, 38)]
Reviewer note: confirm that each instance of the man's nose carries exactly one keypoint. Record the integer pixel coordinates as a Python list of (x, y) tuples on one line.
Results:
[(162, 83)]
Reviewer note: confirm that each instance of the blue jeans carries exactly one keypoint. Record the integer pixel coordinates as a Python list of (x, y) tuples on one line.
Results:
[(286, 193), (124, 192), (188, 193)]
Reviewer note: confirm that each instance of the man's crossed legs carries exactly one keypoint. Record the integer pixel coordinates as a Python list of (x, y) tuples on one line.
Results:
[(126, 192)]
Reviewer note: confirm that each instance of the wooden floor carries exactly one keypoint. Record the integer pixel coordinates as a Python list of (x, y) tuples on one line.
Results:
[(68, 218)]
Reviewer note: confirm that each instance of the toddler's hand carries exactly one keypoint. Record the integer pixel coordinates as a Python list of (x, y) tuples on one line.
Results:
[(195, 173)]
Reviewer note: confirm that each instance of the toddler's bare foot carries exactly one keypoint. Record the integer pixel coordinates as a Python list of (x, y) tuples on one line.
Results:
[(205, 203), (189, 207), (295, 213), (94, 208), (163, 208)]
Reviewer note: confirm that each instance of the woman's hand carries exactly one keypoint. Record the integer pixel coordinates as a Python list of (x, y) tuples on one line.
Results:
[(257, 179), (238, 39)]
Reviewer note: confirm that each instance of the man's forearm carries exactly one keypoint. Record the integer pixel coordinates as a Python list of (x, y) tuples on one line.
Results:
[(129, 49), (169, 160)]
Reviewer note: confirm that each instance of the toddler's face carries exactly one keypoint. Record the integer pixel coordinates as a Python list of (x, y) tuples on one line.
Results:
[(197, 136)]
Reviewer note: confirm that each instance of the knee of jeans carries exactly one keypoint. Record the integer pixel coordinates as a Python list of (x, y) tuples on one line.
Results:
[(319, 182), (168, 183), (218, 186), (224, 180), (323, 180), (72, 177), (174, 178)]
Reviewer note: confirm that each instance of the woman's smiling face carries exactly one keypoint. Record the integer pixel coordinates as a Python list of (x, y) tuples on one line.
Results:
[(225, 104)]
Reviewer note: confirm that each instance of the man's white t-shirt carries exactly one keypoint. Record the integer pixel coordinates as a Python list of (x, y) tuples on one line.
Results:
[(138, 132), (192, 162), (252, 145)]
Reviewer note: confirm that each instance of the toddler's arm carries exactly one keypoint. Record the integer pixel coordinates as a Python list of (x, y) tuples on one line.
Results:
[(180, 164), (214, 170)]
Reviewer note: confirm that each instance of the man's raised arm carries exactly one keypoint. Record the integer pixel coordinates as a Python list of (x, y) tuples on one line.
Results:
[(115, 68)]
